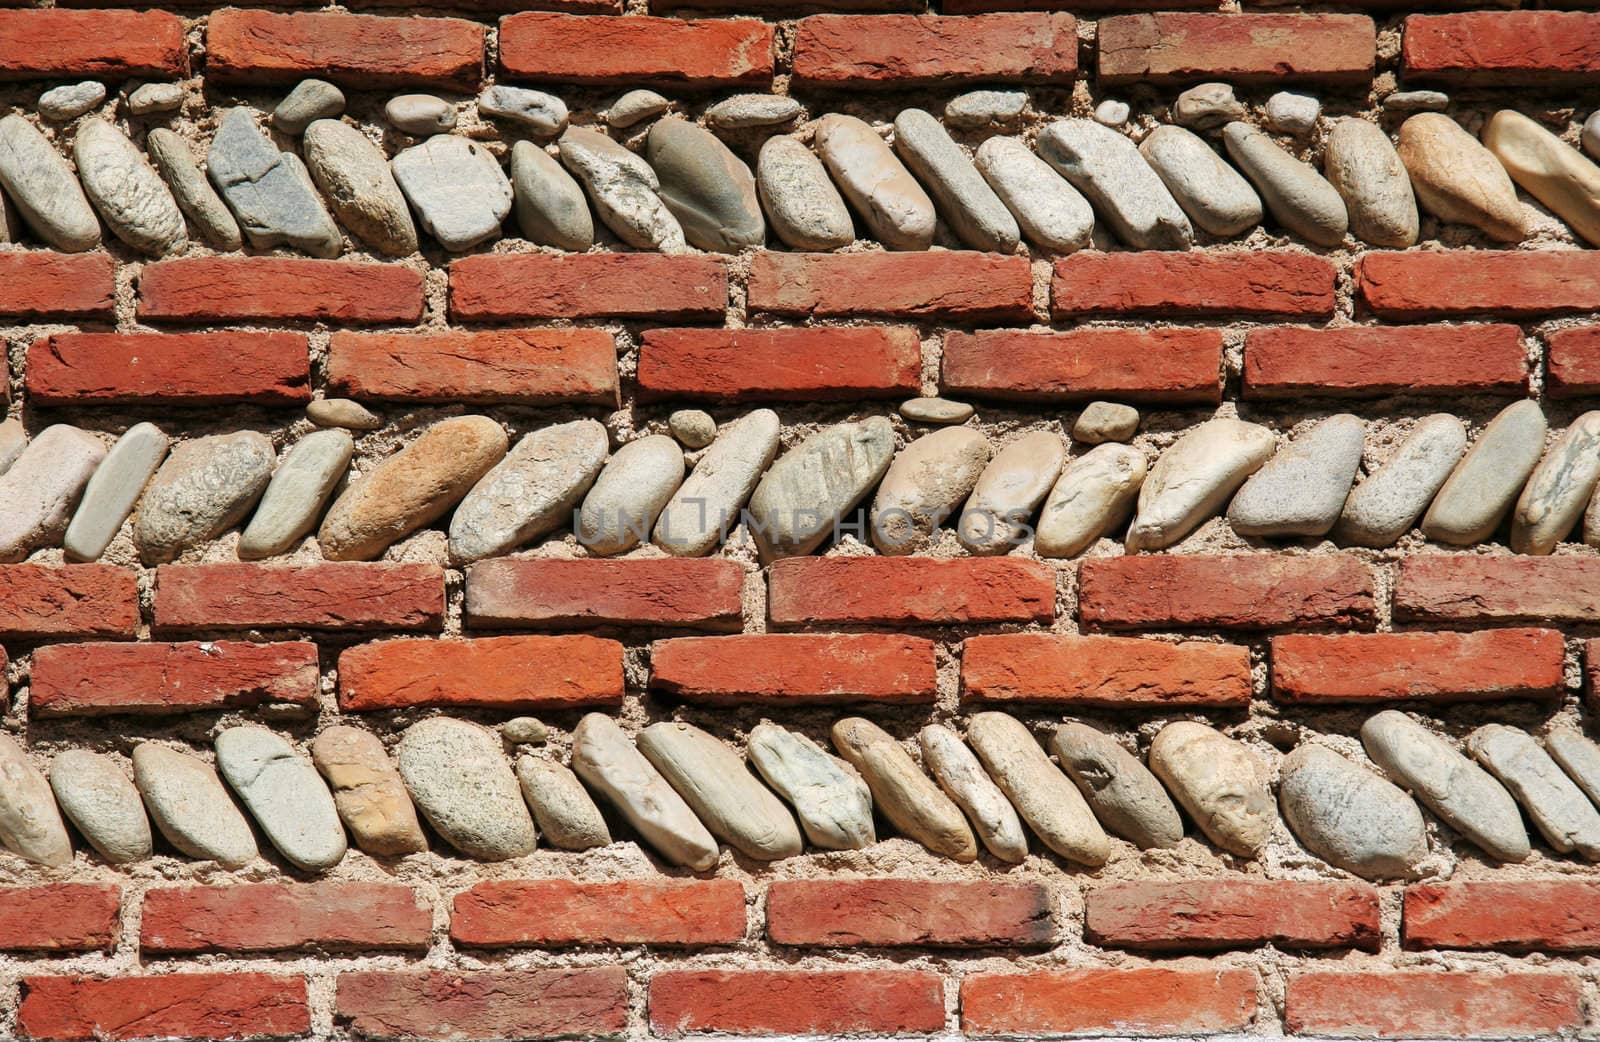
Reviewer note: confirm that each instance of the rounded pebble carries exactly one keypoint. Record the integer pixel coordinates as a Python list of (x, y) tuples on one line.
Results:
[(694, 427)]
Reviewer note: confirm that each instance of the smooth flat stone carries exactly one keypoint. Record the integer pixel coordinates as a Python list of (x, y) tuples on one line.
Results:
[(297, 493), (804, 494), (413, 488), (1113, 112), (342, 412), (1559, 488), (1293, 114), (1093, 497), (1300, 199), (1216, 197), (1194, 477), (102, 804), (1124, 795), (694, 428), (1417, 101), (752, 110), (1221, 783), (907, 797), (1366, 171), (152, 98), (113, 489), (624, 190), (724, 795), (1301, 490), (38, 181), (126, 190), (368, 792), (1050, 804), (805, 209), (13, 439), (925, 486), (705, 508), (1481, 488), (461, 782), (1048, 210), (607, 762), (634, 487), (829, 797), (708, 189), (995, 519), (977, 109), (1387, 503), (285, 795), (1107, 168), (71, 100), (205, 487), (420, 115), (39, 491), (550, 205), (963, 779), (270, 192), (30, 825), (354, 175), (635, 107), (1548, 169), (1557, 807), (1350, 817), (457, 189), (193, 193), (562, 808), (531, 492), (1462, 794), (1207, 105), (1579, 757), (894, 206), (1456, 179), (534, 110), (935, 410), (1101, 422), (310, 100), (190, 807), (965, 200)]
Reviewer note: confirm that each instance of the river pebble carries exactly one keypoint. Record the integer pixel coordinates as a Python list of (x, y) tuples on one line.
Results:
[(724, 795), (113, 489), (295, 497), (461, 782), (1557, 807), (803, 495), (1048, 210), (1220, 782), (457, 189), (708, 189), (1112, 112), (1417, 101), (1548, 169), (1124, 795), (1480, 490), (342, 412), (1093, 497), (1366, 171), (37, 179), (1301, 490), (126, 190), (152, 98), (743, 111), (924, 487), (1215, 196), (193, 193), (829, 796), (907, 797), (1300, 198), (354, 175), (1349, 816), (205, 487), (1457, 179), (705, 509), (1577, 756), (310, 100), (1105, 421), (978, 109), (532, 110), (941, 411), (1559, 488), (190, 807), (531, 492), (39, 491), (694, 428), (1050, 804), (102, 804), (71, 100), (368, 792), (995, 519), (965, 200), (13, 439), (1193, 479), (270, 192), (1207, 105), (635, 107), (624, 190), (1293, 114), (607, 762), (1387, 503), (285, 795), (894, 206), (420, 115), (1107, 168), (562, 807), (30, 825), (550, 205), (805, 208), (621, 507), (962, 777)]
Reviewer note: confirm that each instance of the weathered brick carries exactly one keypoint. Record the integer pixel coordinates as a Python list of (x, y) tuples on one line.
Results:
[(522, 672), (1171, 48), (1523, 915), (169, 368), (51, 43), (699, 592), (633, 49), (207, 289), (572, 1002), (954, 285), (272, 917), (1199, 283), (1489, 48), (509, 287), (1432, 667), (355, 50), (1137, 1001), (909, 591), (45, 284), (819, 364), (1109, 672), (1226, 591), (904, 50), (331, 596), (1392, 1003), (1141, 365), (502, 366), (1572, 359), (230, 1005), (78, 600), (1501, 283), (1214, 914), (1469, 588), (61, 917), (558, 912), (796, 1002), (1373, 361), (908, 912), (97, 679), (825, 668)]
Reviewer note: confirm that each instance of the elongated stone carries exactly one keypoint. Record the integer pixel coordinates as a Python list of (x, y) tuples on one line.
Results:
[(1300, 198), (743, 111), (354, 175), (805, 493), (1366, 171), (102, 804), (1049, 211), (562, 808), (1301, 490), (1093, 497), (709, 190), (285, 795), (71, 100), (608, 763), (299, 489), (1124, 795), (1577, 756), (1557, 807), (1481, 488), (925, 486), (152, 98), (621, 507), (1107, 168), (39, 491), (541, 113), (37, 179), (964, 780), (1385, 505), (896, 210), (205, 487), (457, 189), (531, 492), (460, 780), (828, 795), (624, 190), (310, 100), (1559, 488), (1548, 169), (420, 115), (193, 193), (977, 109), (269, 191), (342, 412), (551, 209), (1046, 800), (969, 206), (995, 519), (30, 825), (724, 795), (705, 509), (907, 797), (1456, 179), (1349, 816), (635, 107), (1216, 197), (1220, 782), (1193, 479), (113, 489), (190, 807), (940, 411), (805, 209), (126, 190), (368, 792)]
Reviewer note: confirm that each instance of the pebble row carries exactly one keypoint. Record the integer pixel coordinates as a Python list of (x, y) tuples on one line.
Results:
[(1151, 188)]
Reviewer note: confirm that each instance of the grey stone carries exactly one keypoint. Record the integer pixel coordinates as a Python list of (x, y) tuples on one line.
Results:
[(693, 427), (634, 487), (608, 763), (353, 173), (1417, 101), (194, 195), (1101, 422), (995, 519), (1559, 488), (39, 491), (205, 487), (941, 411), (151, 98), (624, 190), (30, 825), (524, 730), (1579, 757), (1385, 505), (342, 412), (804, 494), (907, 797), (804, 207), (1050, 804), (551, 208), (420, 115), (37, 179), (126, 190), (1462, 794), (894, 206), (269, 191), (1214, 195), (113, 490), (1124, 795), (310, 100), (725, 796), (1557, 807), (1457, 179), (708, 189), (1481, 488), (1293, 114), (964, 780), (190, 807), (752, 110), (71, 100), (1302, 489), (562, 808), (1108, 169), (10, 221), (1349, 816), (1207, 105), (531, 492), (1050, 212), (1590, 136), (457, 189), (1094, 495), (285, 795), (1220, 782), (829, 796), (368, 792), (1366, 171), (978, 109), (102, 804), (924, 486), (534, 110), (635, 107), (1548, 169), (297, 494), (969, 206), (1300, 199), (460, 780), (1193, 479), (1112, 113), (13, 439)]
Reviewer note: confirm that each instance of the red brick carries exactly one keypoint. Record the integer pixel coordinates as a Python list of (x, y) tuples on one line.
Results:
[(1137, 1001), (1388, 1003), (1159, 284), (163, 369), (97, 679), (78, 600), (503, 366), (63, 917), (1214, 914), (45, 284), (908, 912), (230, 1005), (820, 364), (954, 285), (632, 49), (1170, 48), (903, 50), (1502, 283), (523, 672), (556, 912), (1573, 360), (1524, 915), (1483, 48), (796, 1002), (1373, 361), (1432, 667), (556, 1003), (354, 50), (910, 591), (332, 596), (509, 287), (112, 45), (273, 917), (209, 289), (1108, 672), (1232, 591), (1142, 365), (824, 668), (1469, 588), (982, 6), (699, 592)]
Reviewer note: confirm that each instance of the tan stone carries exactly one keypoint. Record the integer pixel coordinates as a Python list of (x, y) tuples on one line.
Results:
[(907, 797), (368, 791), (1548, 169), (1457, 179)]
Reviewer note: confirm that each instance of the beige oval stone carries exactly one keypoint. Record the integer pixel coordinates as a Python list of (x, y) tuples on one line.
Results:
[(1457, 179), (896, 209), (908, 798), (1548, 169), (964, 780), (30, 824), (1363, 166), (562, 807), (607, 761), (1194, 478), (722, 792), (1010, 489), (1219, 781), (924, 486), (1094, 495), (1049, 802), (1560, 487), (39, 491), (368, 792)]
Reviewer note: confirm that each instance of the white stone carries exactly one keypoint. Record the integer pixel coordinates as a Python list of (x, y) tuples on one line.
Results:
[(925, 486), (1221, 783), (1093, 497), (285, 795), (964, 780), (533, 110), (965, 200), (1294, 114), (624, 189), (102, 804), (297, 494), (456, 188), (894, 206), (705, 509), (804, 494), (460, 780), (1214, 195), (113, 490), (725, 796), (607, 762), (805, 209), (621, 507), (995, 519), (829, 796), (1193, 479), (531, 492), (30, 825), (1557, 807), (1050, 804), (1049, 211), (37, 179), (190, 807), (39, 491), (1559, 488), (1480, 490)]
